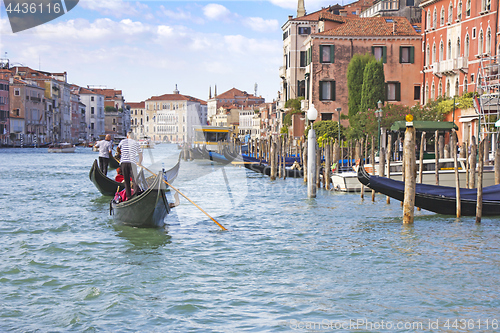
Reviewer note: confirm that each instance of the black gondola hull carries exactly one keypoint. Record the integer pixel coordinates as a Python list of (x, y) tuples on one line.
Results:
[(437, 199), (104, 184)]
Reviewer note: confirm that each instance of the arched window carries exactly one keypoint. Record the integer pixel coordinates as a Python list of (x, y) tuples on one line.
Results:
[(441, 51), (465, 83), (434, 53), (426, 95), (459, 10), (433, 91), (450, 13), (480, 48), (456, 87), (442, 16), (458, 48), (488, 41), (448, 55), (428, 54), (448, 88), (467, 9), (428, 23), (440, 89), (434, 19), (466, 48)]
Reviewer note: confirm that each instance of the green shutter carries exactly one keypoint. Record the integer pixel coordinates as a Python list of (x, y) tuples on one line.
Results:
[(384, 54), (386, 93), (373, 50), (412, 54), (333, 90), (400, 54), (332, 53), (320, 90), (321, 54), (398, 91)]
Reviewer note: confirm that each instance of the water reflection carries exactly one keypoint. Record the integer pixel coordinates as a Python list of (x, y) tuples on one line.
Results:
[(148, 238)]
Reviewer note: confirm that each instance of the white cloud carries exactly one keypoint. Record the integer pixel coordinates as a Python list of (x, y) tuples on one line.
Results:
[(261, 25), (217, 12), (116, 8)]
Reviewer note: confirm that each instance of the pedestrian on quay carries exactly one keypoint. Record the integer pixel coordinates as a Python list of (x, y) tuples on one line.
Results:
[(105, 147), (131, 156)]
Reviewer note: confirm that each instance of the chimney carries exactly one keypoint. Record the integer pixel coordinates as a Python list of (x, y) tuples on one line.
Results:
[(301, 11), (290, 17)]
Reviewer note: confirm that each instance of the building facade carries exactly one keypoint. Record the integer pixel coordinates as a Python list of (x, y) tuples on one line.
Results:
[(231, 98), (94, 112), (4, 106), (137, 118)]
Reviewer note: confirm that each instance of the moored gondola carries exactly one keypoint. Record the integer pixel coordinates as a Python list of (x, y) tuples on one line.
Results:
[(437, 199), (104, 184), (144, 210)]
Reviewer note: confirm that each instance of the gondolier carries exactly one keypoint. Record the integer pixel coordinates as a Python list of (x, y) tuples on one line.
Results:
[(131, 156), (105, 147)]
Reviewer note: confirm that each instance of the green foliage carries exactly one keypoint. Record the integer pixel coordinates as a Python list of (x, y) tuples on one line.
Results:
[(355, 72), (293, 104), (373, 85), (327, 129), (109, 109), (462, 102), (284, 130)]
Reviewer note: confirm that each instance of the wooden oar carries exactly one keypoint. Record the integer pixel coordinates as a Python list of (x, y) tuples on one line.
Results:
[(191, 201)]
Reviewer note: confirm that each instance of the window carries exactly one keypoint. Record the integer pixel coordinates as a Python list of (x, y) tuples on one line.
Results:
[(473, 33), (450, 13), (442, 15), (434, 53), (393, 90), (406, 54), (303, 58), (440, 89), (327, 90), (458, 48), (466, 48), (92, 126), (459, 10), (426, 96), (91, 110), (428, 23), (488, 41), (448, 89), (416, 93), (285, 35), (410, 3), (434, 19), (380, 52), (472, 78), (301, 87), (456, 87), (441, 51), (465, 84), (92, 98), (485, 5), (467, 9), (481, 43), (428, 55), (448, 55), (327, 54), (433, 91), (304, 30), (326, 116), (17, 92)]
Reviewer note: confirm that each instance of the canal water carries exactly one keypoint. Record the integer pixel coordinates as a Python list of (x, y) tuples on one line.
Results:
[(287, 262)]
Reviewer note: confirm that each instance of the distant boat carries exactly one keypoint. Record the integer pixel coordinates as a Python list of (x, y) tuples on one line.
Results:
[(434, 198), (146, 143), (63, 147)]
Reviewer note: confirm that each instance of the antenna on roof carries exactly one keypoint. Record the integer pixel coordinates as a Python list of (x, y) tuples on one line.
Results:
[(255, 88)]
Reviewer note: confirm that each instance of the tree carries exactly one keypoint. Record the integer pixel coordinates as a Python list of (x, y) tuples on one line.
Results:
[(355, 72), (109, 109), (326, 129), (373, 85)]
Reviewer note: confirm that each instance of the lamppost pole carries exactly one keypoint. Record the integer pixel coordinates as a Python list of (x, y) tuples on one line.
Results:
[(378, 114), (338, 110), (312, 113)]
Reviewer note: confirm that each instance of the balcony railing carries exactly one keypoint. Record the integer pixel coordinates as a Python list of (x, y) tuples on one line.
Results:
[(460, 63), (436, 68)]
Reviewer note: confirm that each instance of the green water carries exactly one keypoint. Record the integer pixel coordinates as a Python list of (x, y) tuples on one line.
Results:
[(287, 263)]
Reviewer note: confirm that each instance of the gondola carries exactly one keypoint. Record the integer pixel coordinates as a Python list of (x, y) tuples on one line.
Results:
[(434, 198), (145, 210), (104, 184), (196, 153), (255, 165), (114, 162)]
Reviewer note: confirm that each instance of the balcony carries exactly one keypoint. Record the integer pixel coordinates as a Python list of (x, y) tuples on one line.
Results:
[(447, 67), (461, 64), (382, 6), (282, 72), (436, 69)]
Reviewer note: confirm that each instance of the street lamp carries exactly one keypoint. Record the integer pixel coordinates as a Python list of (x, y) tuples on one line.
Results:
[(378, 114), (312, 114)]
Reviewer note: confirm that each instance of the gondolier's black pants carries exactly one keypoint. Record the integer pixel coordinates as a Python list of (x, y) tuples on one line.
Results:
[(103, 164), (129, 170)]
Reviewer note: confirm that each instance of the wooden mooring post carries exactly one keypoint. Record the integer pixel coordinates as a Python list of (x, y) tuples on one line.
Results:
[(421, 161), (437, 153), (372, 161), (479, 205), (497, 166), (453, 146), (409, 167), (472, 170), (388, 158)]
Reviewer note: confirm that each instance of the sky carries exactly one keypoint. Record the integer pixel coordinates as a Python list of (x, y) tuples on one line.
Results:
[(146, 48)]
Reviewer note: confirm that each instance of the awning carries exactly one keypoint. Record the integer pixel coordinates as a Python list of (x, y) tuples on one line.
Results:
[(497, 124), (468, 119), (428, 126)]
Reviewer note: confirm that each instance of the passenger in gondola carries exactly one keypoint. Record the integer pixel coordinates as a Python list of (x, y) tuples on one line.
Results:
[(131, 156), (105, 147), (119, 176)]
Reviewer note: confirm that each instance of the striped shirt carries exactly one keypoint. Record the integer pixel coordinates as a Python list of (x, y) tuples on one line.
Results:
[(104, 148), (130, 150)]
